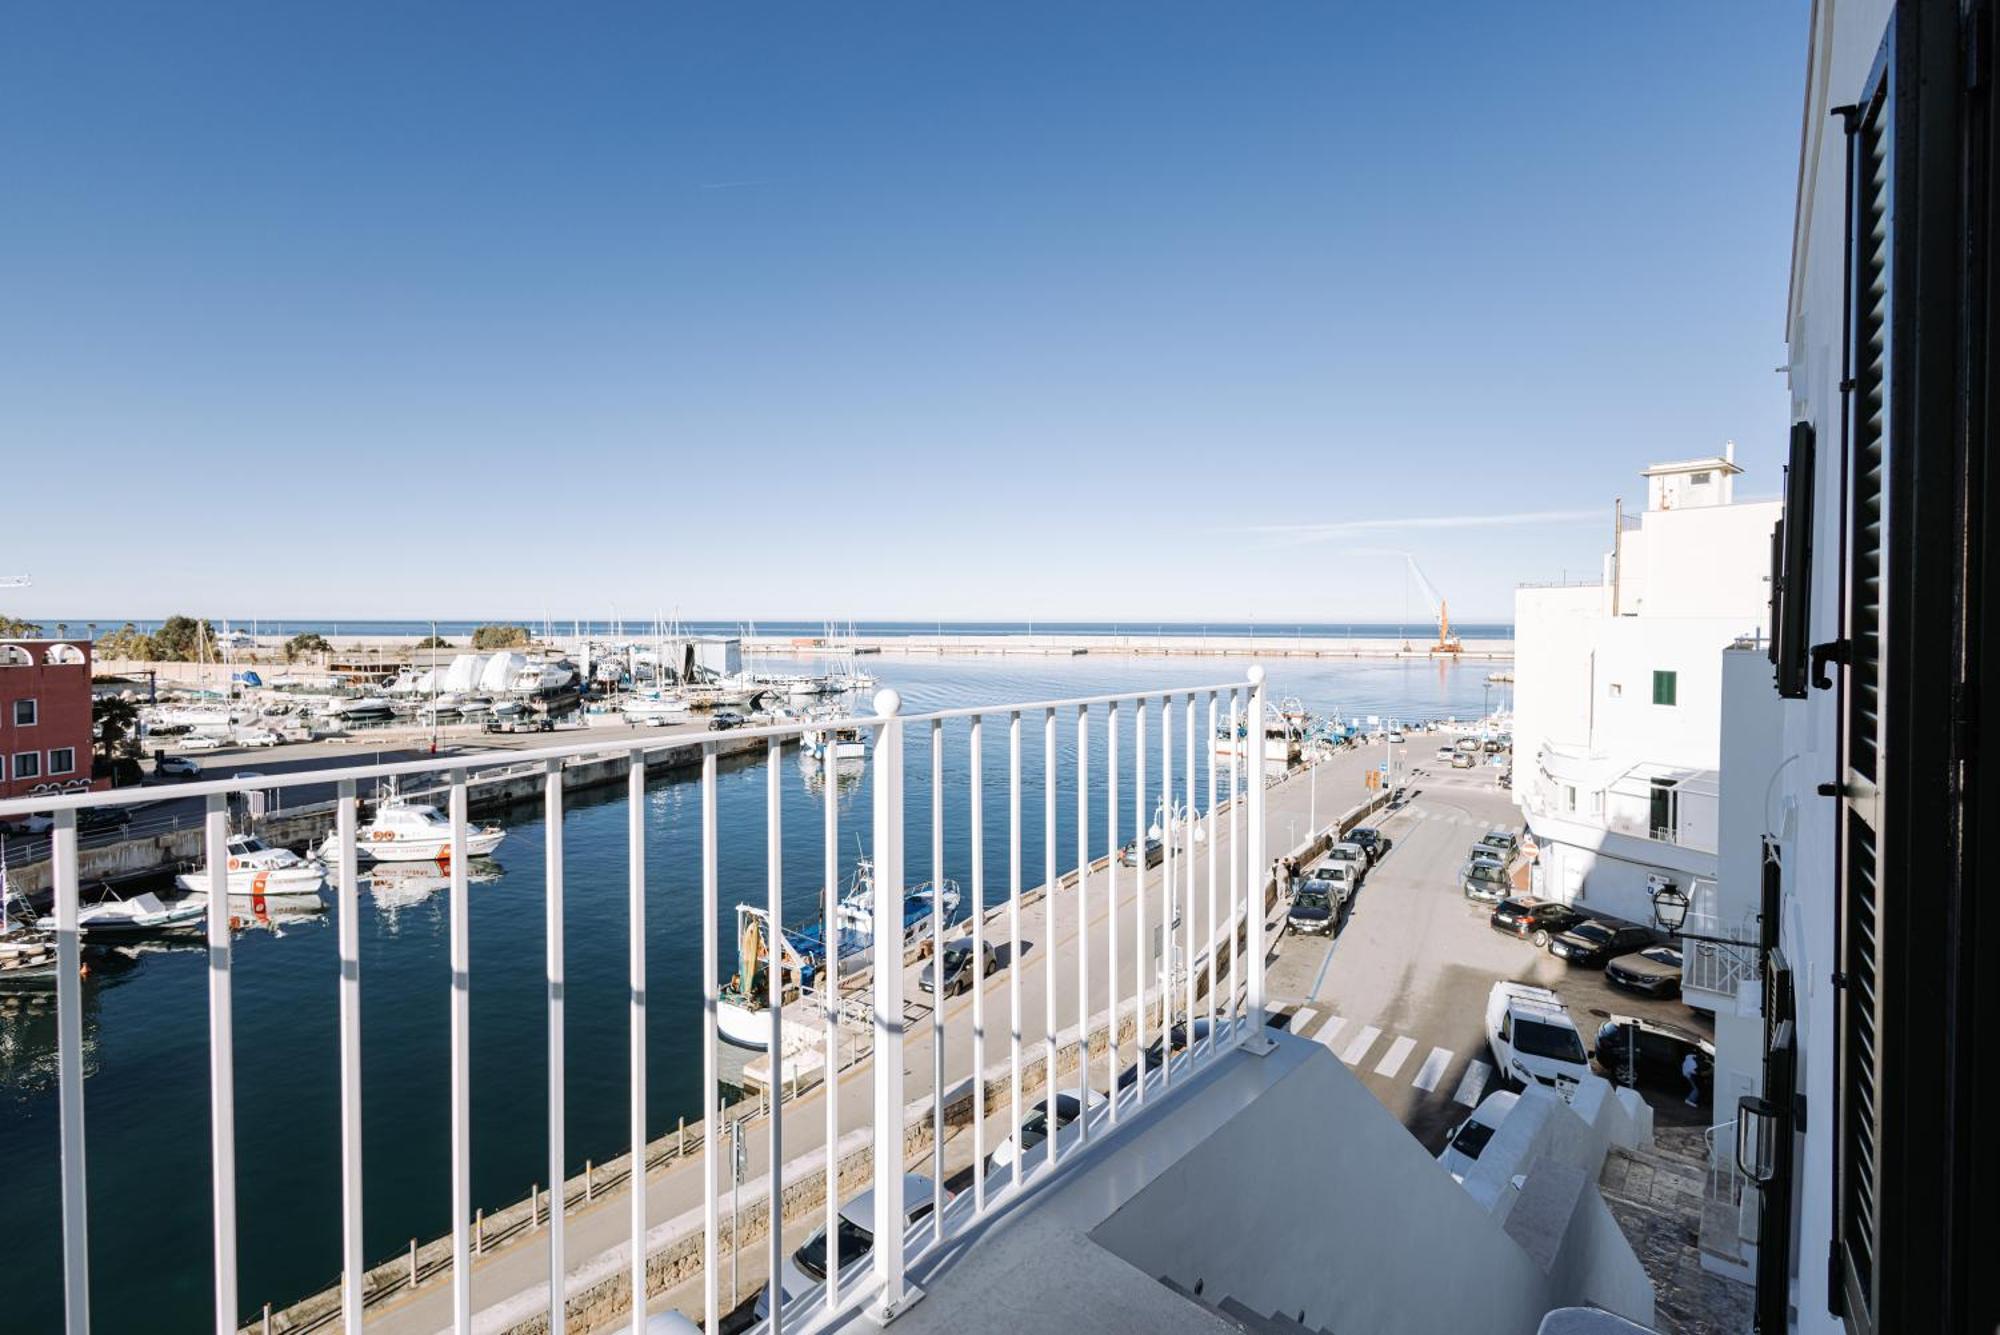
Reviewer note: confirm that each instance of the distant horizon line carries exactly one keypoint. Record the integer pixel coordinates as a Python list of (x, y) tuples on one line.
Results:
[(794, 625)]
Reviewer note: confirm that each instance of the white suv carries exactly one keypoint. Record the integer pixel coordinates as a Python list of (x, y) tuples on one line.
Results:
[(1533, 1039)]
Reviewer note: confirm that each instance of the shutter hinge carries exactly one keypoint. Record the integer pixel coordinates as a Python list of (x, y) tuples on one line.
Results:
[(1839, 978), (1833, 651), (1847, 385), (1799, 1113), (1850, 115)]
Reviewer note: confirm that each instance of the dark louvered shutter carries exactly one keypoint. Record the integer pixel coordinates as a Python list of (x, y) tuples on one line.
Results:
[(1791, 591), (1862, 761)]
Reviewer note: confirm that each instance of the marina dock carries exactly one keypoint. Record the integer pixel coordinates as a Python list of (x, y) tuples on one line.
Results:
[(411, 1292)]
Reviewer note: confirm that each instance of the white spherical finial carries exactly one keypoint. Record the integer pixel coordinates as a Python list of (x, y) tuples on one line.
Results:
[(887, 702), (1256, 674)]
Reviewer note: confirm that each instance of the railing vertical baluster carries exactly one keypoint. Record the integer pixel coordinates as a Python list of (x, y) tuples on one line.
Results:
[(1014, 928), (937, 979), (1236, 857), (975, 761), (711, 1112), (552, 881), (635, 887), (461, 1067), (1049, 929), (830, 994), (1168, 870), (774, 980), (1111, 904), (1141, 860), (891, 1296), (1214, 852), (69, 1077), (1260, 871), (346, 875), (1187, 907), (1083, 923), (221, 1066)]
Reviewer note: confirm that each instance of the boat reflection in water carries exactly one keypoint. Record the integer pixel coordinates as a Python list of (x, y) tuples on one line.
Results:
[(404, 885)]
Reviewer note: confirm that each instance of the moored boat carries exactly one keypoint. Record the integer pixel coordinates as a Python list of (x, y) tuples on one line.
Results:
[(259, 871)]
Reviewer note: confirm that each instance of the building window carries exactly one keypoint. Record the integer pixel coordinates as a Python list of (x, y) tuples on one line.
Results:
[(1663, 817), (62, 760), (25, 713), (1666, 688), (1700, 479), (27, 764), (1569, 791)]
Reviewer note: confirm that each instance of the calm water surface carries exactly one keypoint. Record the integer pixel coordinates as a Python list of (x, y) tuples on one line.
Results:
[(145, 1023)]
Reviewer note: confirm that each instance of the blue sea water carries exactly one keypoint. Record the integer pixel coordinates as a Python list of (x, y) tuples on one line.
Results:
[(807, 628)]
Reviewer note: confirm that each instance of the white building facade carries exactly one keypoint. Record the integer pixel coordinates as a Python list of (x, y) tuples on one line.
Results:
[(1618, 711)]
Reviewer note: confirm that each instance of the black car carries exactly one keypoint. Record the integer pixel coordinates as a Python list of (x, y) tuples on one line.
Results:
[(1653, 972), (1533, 919), (1376, 842), (1596, 942), (1312, 910), (722, 720), (1639, 1052), (958, 972), (92, 820)]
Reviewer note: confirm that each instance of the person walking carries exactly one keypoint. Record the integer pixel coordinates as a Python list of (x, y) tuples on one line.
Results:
[(1688, 1068)]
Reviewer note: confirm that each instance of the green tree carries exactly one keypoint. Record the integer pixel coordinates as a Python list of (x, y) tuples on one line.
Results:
[(114, 721), (500, 637), (182, 639), (306, 642), (127, 642), (434, 642), (13, 628)]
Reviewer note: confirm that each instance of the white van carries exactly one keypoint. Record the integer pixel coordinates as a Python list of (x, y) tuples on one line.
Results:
[(1533, 1039)]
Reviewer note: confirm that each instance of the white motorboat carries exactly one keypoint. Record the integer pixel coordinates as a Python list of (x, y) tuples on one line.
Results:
[(824, 746), (141, 915), (655, 708), (413, 832), (257, 871), (359, 706)]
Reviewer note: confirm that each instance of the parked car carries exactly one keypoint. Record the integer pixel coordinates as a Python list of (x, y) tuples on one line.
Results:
[(1656, 1052), (35, 824), (1155, 851), (1483, 879), (722, 720), (96, 820), (1338, 879), (201, 741), (1314, 909), (1594, 942), (1446, 754), (1035, 1130), (257, 737), (1468, 745), (1461, 760), (958, 971), (1493, 747), (1469, 1137), (1502, 842), (1653, 972), (1376, 842), (1351, 853), (1533, 919), (1484, 855), (167, 767), (806, 1267), (1533, 1039), (1395, 736)]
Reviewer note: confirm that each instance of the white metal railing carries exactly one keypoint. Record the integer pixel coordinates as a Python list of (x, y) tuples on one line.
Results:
[(1723, 963), (1187, 829)]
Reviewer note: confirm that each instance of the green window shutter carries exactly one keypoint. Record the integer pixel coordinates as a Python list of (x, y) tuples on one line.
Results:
[(1666, 688)]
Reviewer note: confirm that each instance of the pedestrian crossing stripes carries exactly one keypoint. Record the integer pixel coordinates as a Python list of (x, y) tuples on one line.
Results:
[(1362, 1042), (1392, 1060), (1433, 1069), (1330, 1031), (1301, 1018), (1473, 1084)]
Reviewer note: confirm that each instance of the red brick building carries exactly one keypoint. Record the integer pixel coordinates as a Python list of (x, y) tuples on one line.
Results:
[(45, 740)]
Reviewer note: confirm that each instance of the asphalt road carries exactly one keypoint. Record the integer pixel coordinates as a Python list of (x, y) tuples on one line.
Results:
[(1399, 993)]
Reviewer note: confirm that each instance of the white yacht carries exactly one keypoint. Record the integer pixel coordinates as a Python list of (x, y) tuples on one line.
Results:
[(654, 708), (256, 870), (413, 832), (141, 915)]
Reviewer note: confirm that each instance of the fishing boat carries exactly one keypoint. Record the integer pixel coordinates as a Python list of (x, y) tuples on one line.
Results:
[(412, 832), (141, 915), (830, 746), (743, 1014), (258, 871)]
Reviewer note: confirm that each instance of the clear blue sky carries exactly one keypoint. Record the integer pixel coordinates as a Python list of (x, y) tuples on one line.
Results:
[(877, 310)]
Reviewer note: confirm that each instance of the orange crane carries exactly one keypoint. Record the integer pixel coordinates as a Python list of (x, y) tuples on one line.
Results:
[(1447, 643)]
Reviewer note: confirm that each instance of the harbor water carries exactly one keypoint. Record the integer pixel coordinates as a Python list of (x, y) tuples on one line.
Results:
[(145, 1022)]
